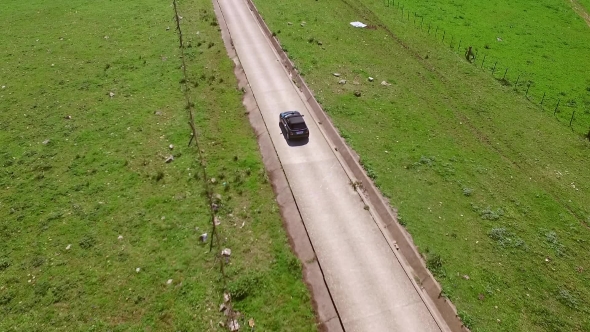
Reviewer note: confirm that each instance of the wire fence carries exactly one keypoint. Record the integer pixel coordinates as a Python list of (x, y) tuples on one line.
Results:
[(213, 207), (522, 82)]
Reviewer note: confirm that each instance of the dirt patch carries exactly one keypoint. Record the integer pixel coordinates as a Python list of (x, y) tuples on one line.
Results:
[(580, 10)]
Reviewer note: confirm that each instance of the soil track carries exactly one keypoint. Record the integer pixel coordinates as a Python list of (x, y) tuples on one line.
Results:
[(580, 10)]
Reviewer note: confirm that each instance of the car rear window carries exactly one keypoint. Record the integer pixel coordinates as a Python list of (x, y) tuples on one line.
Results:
[(300, 125)]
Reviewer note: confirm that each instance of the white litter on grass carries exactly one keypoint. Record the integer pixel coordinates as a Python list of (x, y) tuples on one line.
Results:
[(358, 24), (137, 270)]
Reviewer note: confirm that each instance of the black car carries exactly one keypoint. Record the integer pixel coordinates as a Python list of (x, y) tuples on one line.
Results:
[(294, 125)]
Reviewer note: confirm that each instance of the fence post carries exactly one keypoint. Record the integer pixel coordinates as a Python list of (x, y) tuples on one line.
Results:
[(494, 69), (428, 28), (459, 47), (484, 60), (421, 22), (556, 106), (542, 99), (444, 34), (504, 77), (526, 94), (572, 119), (516, 84)]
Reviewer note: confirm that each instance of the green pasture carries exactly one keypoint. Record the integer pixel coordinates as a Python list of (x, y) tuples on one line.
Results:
[(539, 46), (492, 188), (98, 232)]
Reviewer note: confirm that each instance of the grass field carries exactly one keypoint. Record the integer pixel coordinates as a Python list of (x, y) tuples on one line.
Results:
[(494, 191), (544, 43), (97, 231)]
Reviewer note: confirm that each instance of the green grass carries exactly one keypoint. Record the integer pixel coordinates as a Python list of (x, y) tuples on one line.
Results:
[(541, 43), (81, 168), (489, 185)]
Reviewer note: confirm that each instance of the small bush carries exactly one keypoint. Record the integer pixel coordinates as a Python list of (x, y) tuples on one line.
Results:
[(87, 242), (435, 264), (568, 299), (245, 285), (466, 319), (158, 176), (426, 160), (489, 214), (506, 239), (37, 261), (4, 264), (402, 221), (553, 242)]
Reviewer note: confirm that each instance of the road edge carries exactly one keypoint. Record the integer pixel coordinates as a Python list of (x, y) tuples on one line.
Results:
[(323, 305), (384, 215)]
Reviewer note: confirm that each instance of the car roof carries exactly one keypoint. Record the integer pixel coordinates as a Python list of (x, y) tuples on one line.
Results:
[(294, 119)]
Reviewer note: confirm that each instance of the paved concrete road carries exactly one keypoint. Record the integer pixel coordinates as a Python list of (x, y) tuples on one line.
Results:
[(370, 288)]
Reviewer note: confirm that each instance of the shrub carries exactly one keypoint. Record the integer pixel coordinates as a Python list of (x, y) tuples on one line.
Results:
[(467, 192), (245, 285), (435, 264)]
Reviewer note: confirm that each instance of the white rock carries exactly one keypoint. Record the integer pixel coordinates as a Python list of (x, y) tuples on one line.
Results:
[(371, 79), (203, 237), (169, 282), (342, 82), (226, 252), (120, 237), (171, 146), (233, 325), (68, 247), (137, 270), (384, 83)]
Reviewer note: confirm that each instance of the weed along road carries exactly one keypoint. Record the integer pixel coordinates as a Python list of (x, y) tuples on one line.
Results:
[(368, 285)]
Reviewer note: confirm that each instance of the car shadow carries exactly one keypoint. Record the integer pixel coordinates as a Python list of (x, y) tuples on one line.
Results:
[(293, 142)]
